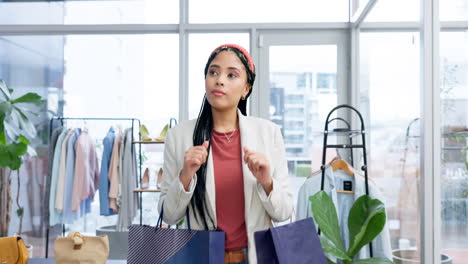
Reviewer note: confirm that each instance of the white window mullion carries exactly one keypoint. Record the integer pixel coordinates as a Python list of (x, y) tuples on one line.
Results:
[(430, 140)]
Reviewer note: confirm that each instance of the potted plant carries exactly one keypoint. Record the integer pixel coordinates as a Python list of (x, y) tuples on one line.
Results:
[(16, 133), (366, 220)]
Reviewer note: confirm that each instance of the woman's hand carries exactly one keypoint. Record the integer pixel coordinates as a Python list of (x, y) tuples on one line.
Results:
[(260, 167), (193, 159)]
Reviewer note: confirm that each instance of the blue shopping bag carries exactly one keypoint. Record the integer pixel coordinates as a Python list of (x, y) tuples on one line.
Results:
[(157, 245), (295, 243)]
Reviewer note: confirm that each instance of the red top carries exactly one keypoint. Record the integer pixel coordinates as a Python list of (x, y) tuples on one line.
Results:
[(229, 184)]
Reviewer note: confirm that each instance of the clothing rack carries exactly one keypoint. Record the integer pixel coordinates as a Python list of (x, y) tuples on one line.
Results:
[(350, 133), (61, 119), (347, 129)]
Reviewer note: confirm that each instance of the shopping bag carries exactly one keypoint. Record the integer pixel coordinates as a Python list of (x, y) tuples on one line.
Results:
[(157, 245), (294, 243)]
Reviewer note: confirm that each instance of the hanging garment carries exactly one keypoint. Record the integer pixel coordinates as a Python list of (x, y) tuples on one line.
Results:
[(128, 201), (53, 214), (104, 182), (48, 179), (114, 173), (335, 181), (61, 177), (86, 171), (120, 168), (68, 216)]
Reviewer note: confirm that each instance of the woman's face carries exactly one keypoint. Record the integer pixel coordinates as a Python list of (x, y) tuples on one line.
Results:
[(226, 81)]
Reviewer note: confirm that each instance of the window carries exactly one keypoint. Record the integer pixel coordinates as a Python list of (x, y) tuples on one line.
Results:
[(453, 10), (454, 144), (395, 11), (245, 11), (390, 107), (326, 82), (90, 12), (297, 99)]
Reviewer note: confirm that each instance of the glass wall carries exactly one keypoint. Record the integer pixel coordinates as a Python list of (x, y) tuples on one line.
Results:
[(390, 102), (454, 143), (245, 11), (33, 64), (453, 10), (89, 12), (394, 11), (106, 76)]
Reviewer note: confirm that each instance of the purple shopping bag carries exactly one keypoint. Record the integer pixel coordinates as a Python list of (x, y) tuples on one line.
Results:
[(156, 245), (294, 243)]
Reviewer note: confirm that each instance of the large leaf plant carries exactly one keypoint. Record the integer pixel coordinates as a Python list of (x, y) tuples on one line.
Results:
[(16, 133), (16, 130), (366, 220)]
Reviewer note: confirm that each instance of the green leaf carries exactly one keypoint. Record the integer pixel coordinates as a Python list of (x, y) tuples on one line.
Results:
[(15, 162), (5, 90), (2, 130), (373, 261), (330, 250), (11, 132), (18, 149), (27, 127), (366, 220), (5, 108), (19, 212), (4, 157), (325, 215), (32, 98), (23, 140), (181, 222), (330, 262)]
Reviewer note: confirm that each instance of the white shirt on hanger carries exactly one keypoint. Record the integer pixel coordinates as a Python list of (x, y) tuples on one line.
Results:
[(334, 181)]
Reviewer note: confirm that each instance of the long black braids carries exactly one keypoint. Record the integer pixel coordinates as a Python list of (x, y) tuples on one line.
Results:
[(203, 132)]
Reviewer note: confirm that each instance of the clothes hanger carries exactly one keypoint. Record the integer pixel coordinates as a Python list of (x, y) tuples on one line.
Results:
[(320, 170), (341, 164)]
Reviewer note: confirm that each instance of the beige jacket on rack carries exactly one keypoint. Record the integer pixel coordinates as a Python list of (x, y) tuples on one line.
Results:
[(259, 135)]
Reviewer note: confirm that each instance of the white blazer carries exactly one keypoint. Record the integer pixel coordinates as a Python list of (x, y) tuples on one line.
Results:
[(257, 134)]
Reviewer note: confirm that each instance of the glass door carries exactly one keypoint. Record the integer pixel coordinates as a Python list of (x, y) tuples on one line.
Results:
[(302, 76)]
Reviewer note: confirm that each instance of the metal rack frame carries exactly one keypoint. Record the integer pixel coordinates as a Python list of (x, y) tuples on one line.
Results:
[(350, 133)]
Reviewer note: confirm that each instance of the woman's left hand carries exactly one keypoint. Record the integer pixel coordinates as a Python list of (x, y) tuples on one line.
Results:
[(260, 167)]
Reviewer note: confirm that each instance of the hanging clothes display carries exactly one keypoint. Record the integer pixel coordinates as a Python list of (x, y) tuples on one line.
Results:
[(339, 185), (114, 175), (55, 217), (128, 183), (48, 181), (104, 182), (86, 172), (74, 176), (67, 216)]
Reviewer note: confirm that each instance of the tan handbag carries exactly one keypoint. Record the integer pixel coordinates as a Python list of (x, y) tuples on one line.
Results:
[(13, 250), (78, 249)]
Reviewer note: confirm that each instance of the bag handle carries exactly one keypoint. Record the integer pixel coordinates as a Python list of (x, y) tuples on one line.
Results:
[(159, 223), (77, 239)]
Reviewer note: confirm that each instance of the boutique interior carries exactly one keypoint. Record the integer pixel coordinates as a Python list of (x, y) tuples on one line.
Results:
[(375, 88)]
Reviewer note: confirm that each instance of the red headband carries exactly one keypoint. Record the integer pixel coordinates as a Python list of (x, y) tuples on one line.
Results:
[(241, 49)]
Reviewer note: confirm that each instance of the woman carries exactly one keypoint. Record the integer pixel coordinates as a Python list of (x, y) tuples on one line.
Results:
[(229, 169)]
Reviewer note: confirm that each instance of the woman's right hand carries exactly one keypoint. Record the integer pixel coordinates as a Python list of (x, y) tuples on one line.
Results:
[(193, 159)]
